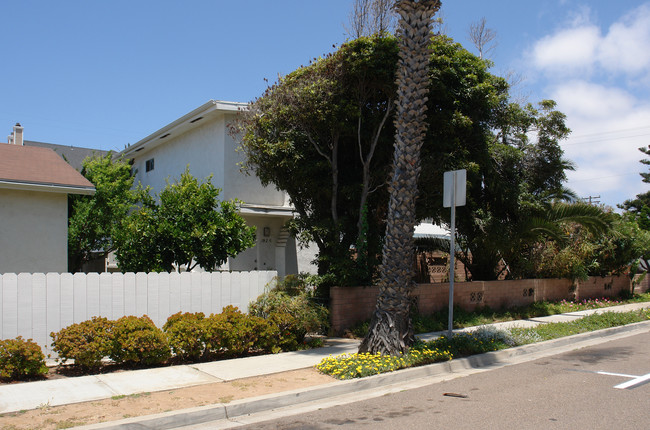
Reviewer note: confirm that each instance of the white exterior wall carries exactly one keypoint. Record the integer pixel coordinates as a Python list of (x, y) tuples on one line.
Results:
[(201, 148), (33, 231), (269, 252), (245, 187), (208, 150)]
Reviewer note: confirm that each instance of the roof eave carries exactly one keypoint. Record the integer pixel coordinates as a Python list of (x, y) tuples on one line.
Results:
[(266, 210), (169, 129), (46, 188)]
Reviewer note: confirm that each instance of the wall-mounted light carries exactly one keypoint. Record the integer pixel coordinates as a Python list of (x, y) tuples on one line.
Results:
[(267, 231)]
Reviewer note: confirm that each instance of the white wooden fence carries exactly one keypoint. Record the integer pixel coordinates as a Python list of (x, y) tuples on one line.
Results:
[(33, 305)]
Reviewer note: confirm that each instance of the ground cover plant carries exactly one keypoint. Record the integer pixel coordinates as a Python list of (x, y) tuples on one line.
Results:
[(483, 339), (583, 325), (349, 366)]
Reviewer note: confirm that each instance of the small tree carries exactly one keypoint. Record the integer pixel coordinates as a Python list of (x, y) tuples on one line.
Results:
[(371, 17), (187, 226), (482, 37), (93, 219)]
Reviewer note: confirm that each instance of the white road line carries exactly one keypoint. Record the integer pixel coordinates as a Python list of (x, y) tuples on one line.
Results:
[(636, 381), (616, 374)]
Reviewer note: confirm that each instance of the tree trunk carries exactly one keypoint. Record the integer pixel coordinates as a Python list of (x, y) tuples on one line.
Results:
[(391, 331)]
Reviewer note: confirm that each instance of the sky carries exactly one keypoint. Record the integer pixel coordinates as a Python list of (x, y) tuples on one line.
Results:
[(103, 74)]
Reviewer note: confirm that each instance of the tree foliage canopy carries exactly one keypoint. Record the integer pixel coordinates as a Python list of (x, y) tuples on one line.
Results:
[(185, 225), (324, 134), (639, 207), (93, 220)]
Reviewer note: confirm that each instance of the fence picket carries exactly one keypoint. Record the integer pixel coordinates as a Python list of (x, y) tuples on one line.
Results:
[(39, 316), (34, 305)]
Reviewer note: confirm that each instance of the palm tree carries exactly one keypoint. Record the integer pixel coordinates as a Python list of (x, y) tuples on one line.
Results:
[(391, 331)]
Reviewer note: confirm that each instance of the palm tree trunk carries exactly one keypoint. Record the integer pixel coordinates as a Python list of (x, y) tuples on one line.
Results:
[(391, 331)]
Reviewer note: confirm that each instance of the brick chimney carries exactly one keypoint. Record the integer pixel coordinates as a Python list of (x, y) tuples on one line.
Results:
[(17, 134)]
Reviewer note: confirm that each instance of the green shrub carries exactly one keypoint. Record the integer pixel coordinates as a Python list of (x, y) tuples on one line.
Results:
[(186, 335), (483, 339), (139, 341), (87, 343), (286, 326), (21, 359), (307, 316), (234, 334)]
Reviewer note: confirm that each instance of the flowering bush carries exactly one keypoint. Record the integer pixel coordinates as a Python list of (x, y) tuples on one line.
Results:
[(20, 359), (348, 366)]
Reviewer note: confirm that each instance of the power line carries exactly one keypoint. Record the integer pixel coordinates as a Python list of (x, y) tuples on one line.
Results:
[(612, 132), (603, 177), (606, 139)]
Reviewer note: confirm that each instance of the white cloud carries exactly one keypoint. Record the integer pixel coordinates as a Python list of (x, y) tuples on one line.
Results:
[(567, 51), (626, 47), (600, 79), (608, 126), (590, 100), (581, 47)]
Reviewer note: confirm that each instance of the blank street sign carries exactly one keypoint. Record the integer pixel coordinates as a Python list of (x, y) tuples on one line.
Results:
[(454, 179)]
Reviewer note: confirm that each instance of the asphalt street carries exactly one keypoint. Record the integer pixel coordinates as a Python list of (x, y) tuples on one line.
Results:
[(599, 387)]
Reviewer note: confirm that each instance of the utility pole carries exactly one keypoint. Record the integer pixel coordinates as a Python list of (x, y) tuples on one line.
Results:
[(591, 200)]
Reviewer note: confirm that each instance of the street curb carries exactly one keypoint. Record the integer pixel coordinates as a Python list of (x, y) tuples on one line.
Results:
[(480, 362)]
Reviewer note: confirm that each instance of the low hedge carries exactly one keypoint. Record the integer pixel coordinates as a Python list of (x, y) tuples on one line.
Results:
[(87, 342), (137, 341), (189, 337), (21, 359), (186, 335)]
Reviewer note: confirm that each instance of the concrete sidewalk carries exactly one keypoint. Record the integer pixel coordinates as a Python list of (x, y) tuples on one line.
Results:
[(31, 395)]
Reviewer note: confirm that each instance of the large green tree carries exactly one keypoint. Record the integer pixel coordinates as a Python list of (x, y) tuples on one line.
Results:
[(391, 331), (93, 220), (324, 135), (186, 225)]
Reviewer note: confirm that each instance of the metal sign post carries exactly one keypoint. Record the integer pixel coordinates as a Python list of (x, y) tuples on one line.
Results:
[(454, 195)]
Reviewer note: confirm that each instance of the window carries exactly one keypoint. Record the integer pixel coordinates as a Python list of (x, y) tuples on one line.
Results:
[(149, 164)]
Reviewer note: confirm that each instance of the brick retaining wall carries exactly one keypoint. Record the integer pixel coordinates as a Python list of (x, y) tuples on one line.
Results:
[(350, 305), (642, 286)]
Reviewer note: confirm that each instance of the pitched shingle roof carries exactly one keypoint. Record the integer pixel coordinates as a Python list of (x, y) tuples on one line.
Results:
[(75, 155), (39, 168)]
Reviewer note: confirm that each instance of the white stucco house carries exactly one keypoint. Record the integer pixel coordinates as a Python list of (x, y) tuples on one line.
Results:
[(201, 141), (34, 187)]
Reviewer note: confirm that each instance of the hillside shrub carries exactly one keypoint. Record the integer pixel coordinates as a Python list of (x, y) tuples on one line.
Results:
[(21, 359), (137, 341), (186, 335), (87, 343)]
